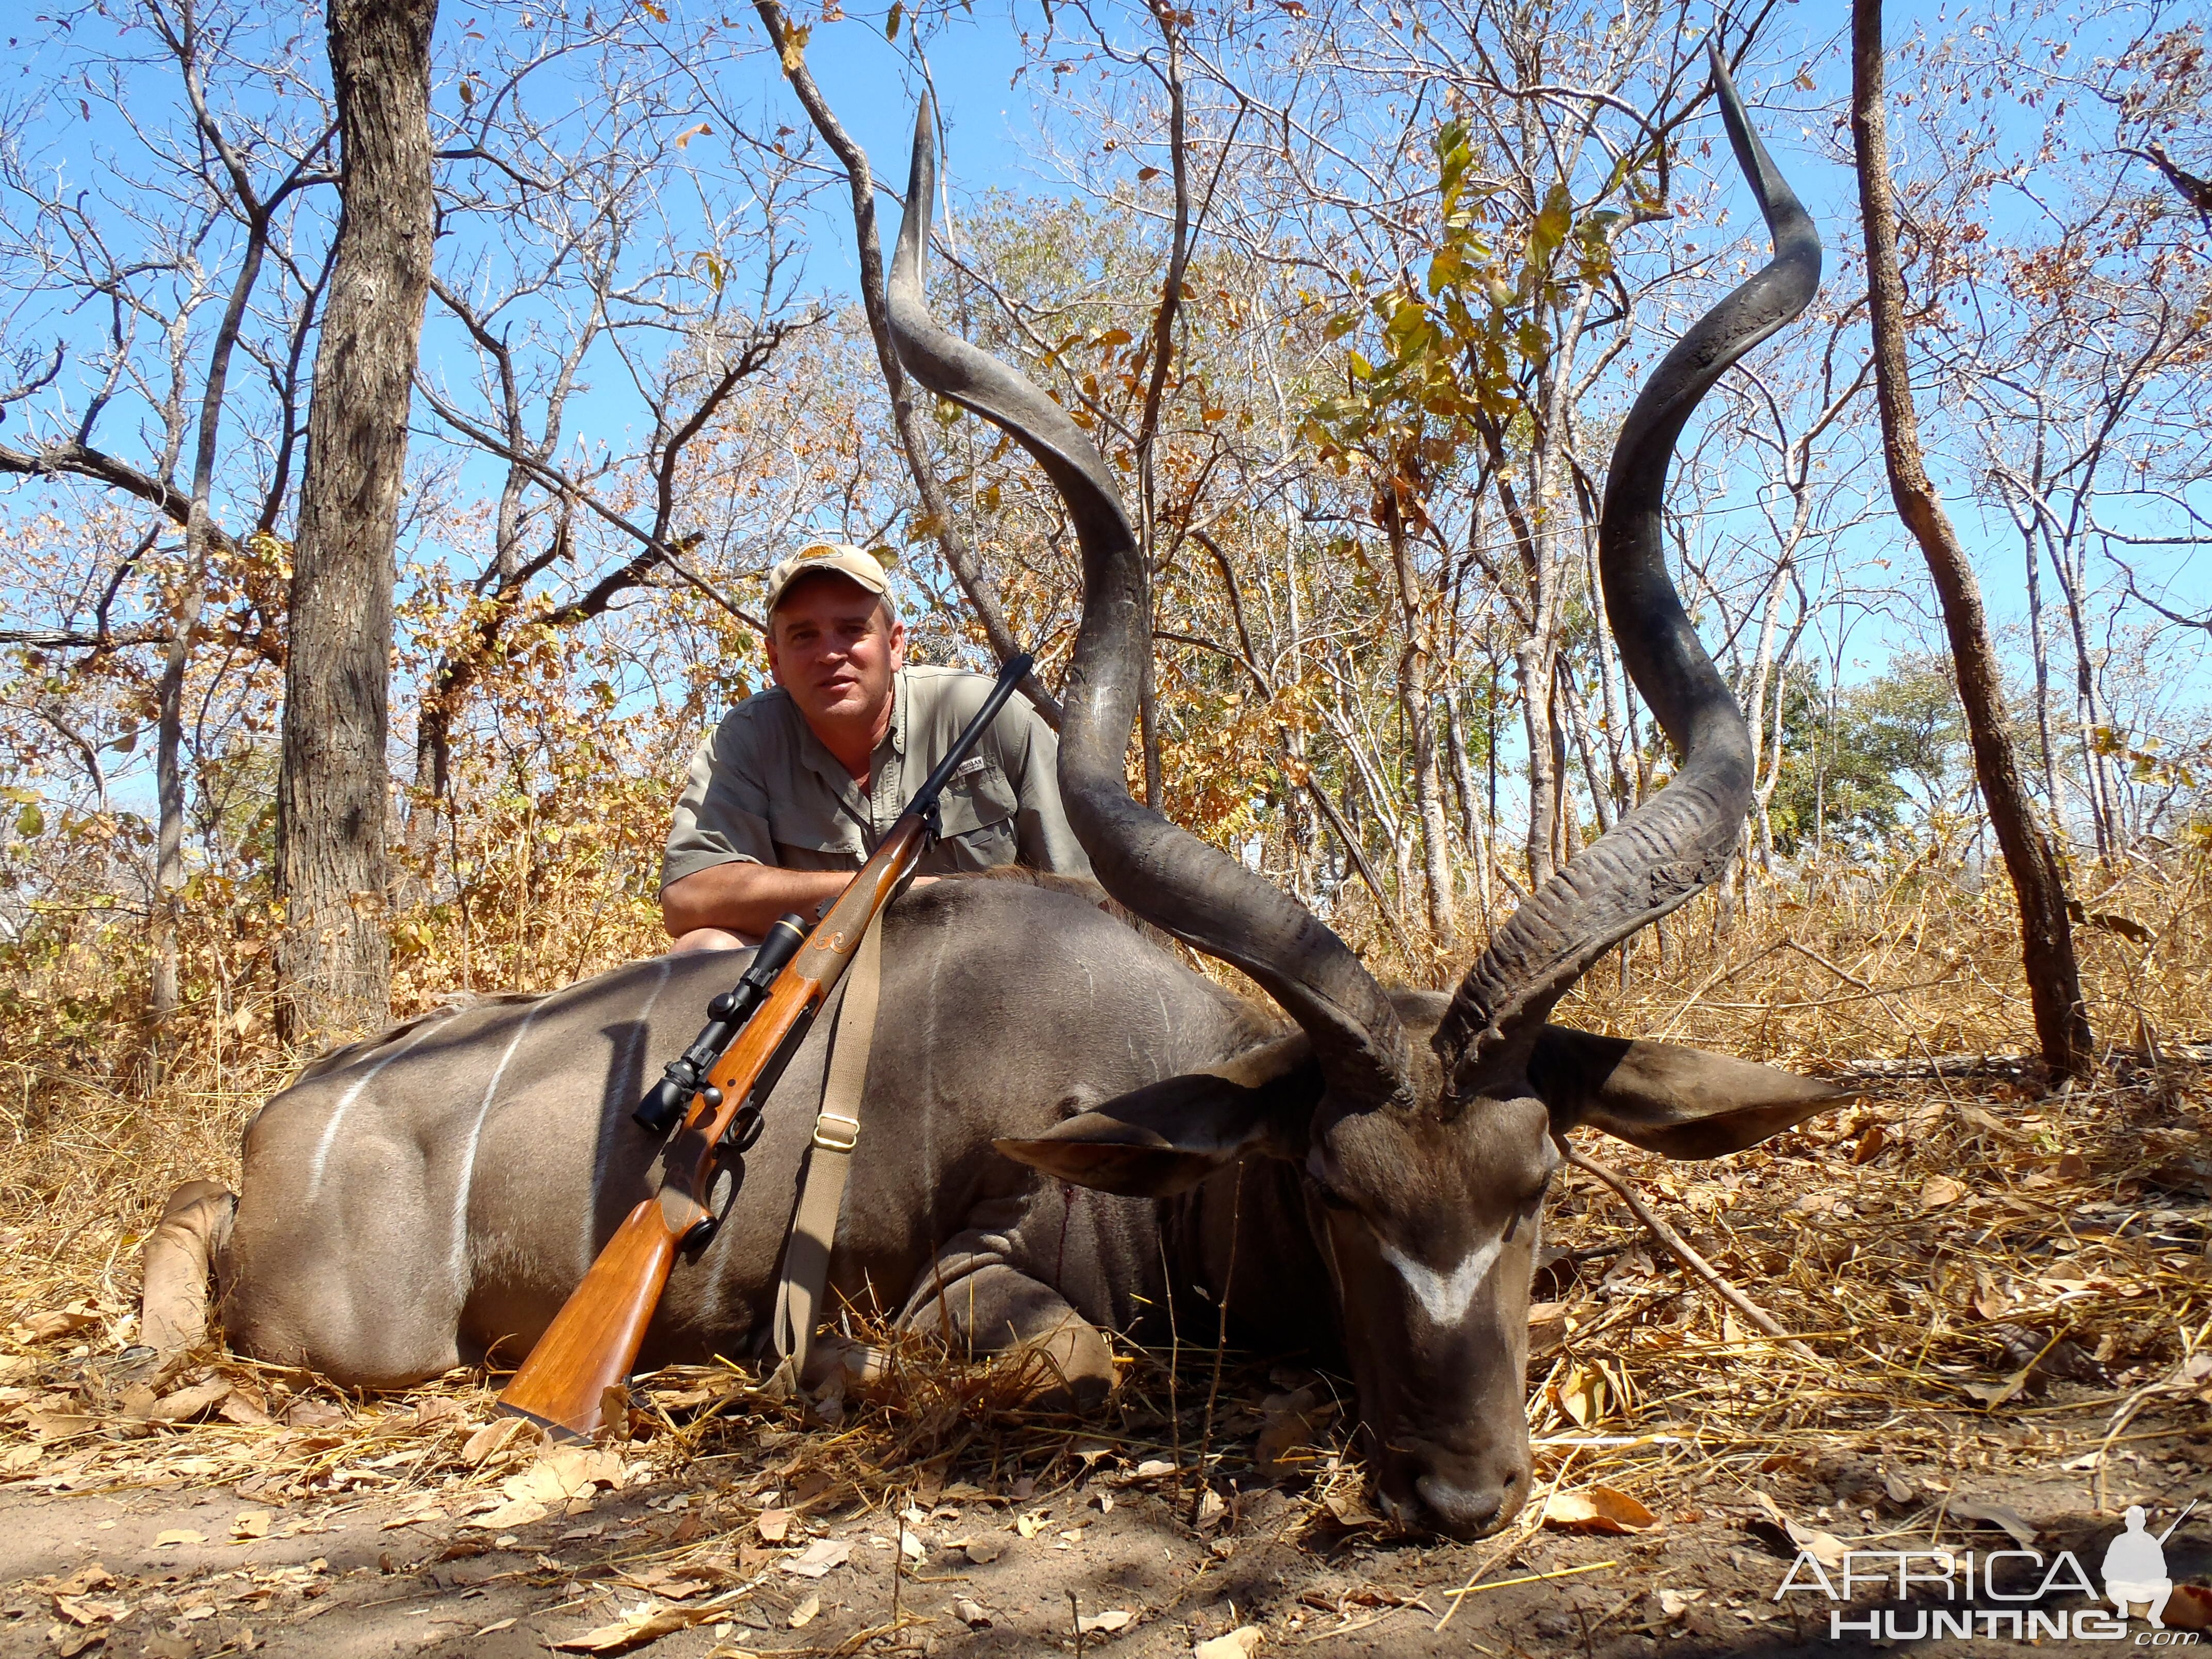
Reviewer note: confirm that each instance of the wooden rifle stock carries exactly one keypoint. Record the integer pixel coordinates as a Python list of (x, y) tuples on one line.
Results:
[(593, 1342)]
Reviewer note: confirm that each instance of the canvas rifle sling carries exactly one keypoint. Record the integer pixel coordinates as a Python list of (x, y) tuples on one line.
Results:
[(821, 1187)]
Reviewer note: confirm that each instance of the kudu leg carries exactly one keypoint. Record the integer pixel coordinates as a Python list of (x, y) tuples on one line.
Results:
[(181, 1254), (981, 1304)]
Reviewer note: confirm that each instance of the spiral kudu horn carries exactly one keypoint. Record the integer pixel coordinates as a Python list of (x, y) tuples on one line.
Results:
[(1675, 844), (1166, 874)]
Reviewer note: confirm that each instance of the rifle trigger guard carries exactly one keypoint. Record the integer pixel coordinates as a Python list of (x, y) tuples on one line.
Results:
[(721, 1193), (745, 1129)]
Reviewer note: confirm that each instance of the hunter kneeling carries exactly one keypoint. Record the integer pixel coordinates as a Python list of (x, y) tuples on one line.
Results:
[(793, 790)]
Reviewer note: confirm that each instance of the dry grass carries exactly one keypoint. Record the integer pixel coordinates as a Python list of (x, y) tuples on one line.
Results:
[(1982, 1271)]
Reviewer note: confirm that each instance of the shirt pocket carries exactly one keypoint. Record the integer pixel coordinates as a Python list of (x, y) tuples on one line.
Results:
[(805, 841), (977, 815)]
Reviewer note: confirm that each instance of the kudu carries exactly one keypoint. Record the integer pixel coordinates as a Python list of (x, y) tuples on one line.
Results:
[(430, 1197), (1422, 1164)]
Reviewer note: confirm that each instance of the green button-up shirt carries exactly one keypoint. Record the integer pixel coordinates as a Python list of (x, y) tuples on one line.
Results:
[(763, 789)]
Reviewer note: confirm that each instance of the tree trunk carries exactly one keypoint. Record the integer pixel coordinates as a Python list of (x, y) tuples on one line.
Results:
[(1463, 784), (2088, 716), (1535, 677), (2054, 979), (331, 793), (2033, 559), (166, 987), (1603, 802), (1148, 714), (1565, 835)]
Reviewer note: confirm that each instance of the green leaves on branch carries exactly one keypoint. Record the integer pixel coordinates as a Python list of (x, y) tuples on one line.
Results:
[(1463, 347)]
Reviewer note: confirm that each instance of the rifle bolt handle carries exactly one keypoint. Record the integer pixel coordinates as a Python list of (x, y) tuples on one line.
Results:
[(712, 1096)]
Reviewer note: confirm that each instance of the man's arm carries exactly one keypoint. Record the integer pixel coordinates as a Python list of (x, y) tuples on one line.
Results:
[(745, 897), (720, 870)]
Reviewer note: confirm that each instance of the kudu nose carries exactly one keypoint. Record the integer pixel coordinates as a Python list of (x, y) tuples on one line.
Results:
[(1464, 1497)]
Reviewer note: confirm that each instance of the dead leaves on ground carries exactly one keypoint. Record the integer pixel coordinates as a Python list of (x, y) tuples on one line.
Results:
[(1597, 1509), (54, 1324), (819, 1557), (1591, 1390), (2037, 1357), (562, 1475), (87, 1614), (773, 1526), (645, 1623), (1940, 1191), (1824, 1548)]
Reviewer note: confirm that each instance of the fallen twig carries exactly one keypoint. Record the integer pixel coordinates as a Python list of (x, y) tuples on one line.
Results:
[(1529, 1578), (1679, 1249)]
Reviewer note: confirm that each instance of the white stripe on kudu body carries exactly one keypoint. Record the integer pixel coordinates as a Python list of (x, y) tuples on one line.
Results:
[(322, 1152), (468, 1178), (611, 1122), (1445, 1297)]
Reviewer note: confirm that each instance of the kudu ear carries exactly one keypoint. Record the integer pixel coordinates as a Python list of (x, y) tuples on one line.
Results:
[(1167, 1136), (1679, 1103)]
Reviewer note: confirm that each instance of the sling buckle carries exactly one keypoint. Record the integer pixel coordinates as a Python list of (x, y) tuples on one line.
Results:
[(842, 1138)]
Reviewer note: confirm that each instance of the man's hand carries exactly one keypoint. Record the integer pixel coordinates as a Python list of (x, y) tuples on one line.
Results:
[(745, 899)]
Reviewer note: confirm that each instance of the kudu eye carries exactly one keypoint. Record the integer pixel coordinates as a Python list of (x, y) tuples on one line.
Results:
[(1330, 1198)]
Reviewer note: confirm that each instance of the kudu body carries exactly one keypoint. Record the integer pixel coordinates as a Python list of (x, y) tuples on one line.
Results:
[(1379, 1161)]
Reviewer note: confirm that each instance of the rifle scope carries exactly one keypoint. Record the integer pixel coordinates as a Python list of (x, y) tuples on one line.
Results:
[(686, 1075)]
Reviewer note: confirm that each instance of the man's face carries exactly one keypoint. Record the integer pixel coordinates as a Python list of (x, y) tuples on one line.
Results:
[(834, 646)]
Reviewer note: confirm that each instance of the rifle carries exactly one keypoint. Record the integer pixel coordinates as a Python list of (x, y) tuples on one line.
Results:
[(726, 1077)]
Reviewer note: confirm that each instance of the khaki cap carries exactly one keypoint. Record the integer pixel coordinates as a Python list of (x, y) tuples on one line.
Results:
[(838, 558)]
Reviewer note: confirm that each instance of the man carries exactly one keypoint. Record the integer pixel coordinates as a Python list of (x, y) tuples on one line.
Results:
[(797, 786)]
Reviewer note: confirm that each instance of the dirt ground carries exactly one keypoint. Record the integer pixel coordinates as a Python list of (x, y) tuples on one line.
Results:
[(2004, 1300), (191, 1570)]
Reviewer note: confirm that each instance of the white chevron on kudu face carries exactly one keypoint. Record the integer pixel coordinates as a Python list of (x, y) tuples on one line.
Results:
[(1445, 1297)]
